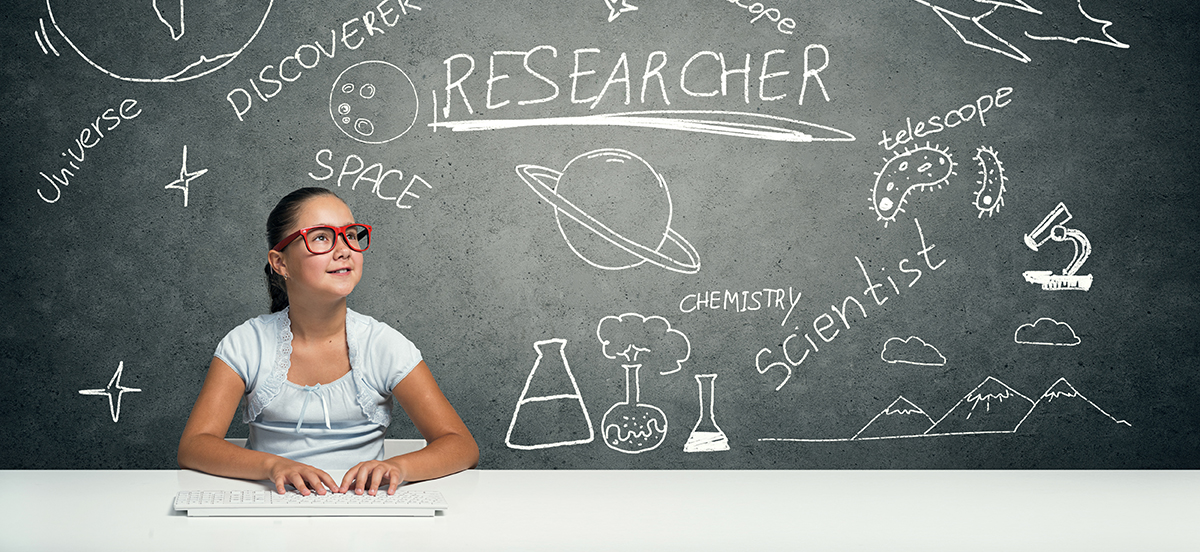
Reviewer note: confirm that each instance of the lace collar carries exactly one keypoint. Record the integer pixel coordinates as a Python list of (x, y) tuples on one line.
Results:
[(269, 388)]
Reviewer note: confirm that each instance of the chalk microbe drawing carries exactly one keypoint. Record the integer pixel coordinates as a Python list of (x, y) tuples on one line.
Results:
[(113, 37), (966, 19), (913, 350), (990, 196), (914, 169), (1053, 227), (992, 407), (185, 179), (618, 7), (114, 387), (1046, 331), (614, 211), (550, 412), (373, 102)]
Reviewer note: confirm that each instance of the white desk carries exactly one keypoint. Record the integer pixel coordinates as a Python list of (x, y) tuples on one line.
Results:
[(640, 510)]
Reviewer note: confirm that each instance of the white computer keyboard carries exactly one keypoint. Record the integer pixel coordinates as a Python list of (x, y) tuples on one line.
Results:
[(292, 503)]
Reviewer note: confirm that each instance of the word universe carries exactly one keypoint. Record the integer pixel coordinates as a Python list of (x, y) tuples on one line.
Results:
[(591, 76), (90, 136), (800, 345)]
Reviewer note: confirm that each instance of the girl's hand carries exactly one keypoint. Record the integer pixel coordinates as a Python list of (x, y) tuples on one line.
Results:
[(301, 476), (367, 476)]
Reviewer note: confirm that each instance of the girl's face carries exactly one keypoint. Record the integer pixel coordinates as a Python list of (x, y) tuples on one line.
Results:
[(330, 275)]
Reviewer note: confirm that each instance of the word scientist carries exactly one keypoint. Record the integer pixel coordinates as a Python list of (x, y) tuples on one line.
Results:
[(824, 326)]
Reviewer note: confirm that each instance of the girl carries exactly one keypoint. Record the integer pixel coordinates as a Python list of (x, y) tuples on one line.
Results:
[(319, 377)]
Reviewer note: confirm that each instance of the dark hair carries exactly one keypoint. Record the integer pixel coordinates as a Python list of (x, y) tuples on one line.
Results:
[(281, 219)]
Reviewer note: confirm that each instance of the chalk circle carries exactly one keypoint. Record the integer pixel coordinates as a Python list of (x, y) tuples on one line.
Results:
[(127, 39), (627, 205), (373, 102), (364, 127)]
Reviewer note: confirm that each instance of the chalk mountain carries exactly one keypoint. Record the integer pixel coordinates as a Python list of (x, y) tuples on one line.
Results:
[(1063, 409), (992, 407), (900, 419)]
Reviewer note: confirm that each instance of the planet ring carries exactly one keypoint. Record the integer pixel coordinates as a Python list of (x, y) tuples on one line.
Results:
[(534, 176)]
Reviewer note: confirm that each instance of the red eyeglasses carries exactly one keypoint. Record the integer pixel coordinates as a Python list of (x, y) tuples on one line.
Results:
[(321, 239)]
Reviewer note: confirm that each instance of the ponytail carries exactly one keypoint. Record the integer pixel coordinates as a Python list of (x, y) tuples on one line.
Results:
[(277, 289)]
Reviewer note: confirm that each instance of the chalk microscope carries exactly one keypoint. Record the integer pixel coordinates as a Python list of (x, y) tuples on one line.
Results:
[(1053, 227)]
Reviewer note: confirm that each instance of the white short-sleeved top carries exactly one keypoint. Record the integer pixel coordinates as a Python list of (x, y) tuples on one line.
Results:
[(331, 426)]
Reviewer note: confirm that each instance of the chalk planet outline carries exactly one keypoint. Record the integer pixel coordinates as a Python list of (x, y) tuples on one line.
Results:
[(333, 91), (179, 76), (533, 176)]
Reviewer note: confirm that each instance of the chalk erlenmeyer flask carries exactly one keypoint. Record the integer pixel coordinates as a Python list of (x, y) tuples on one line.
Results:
[(706, 436), (550, 412), (632, 426)]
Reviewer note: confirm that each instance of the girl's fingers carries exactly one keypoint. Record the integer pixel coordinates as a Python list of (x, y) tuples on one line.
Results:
[(376, 477)]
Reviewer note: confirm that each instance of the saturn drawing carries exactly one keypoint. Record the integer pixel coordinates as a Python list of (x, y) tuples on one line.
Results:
[(614, 211)]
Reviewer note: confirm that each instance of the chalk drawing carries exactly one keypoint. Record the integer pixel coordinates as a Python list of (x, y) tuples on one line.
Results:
[(990, 196), (113, 39), (618, 7), (756, 126), (913, 350), (706, 435), (43, 39), (554, 414), (990, 408), (632, 334), (1046, 331), (1063, 7), (633, 427), (373, 102), (171, 17), (185, 178), (1053, 227), (967, 21), (900, 419), (1059, 399), (114, 387), (914, 169), (629, 195)]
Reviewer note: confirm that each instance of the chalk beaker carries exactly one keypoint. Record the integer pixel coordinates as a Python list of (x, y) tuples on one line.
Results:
[(706, 436), (632, 426), (550, 412)]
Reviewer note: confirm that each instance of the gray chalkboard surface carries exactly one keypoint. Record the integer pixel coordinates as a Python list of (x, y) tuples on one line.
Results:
[(626, 234)]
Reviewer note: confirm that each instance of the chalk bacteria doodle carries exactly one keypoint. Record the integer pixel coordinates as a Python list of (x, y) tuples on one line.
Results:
[(915, 169), (990, 196)]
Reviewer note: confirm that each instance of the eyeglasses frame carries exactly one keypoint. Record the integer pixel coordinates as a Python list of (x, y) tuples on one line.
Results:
[(337, 231)]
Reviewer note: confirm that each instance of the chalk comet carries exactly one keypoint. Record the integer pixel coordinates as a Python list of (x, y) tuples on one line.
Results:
[(724, 123), (966, 19)]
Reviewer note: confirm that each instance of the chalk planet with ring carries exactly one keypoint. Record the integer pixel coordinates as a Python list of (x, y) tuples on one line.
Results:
[(618, 214)]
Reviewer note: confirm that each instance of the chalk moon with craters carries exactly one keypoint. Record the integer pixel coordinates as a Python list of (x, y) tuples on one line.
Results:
[(373, 102)]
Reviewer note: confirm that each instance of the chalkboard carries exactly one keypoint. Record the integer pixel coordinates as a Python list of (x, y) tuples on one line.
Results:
[(705, 234)]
